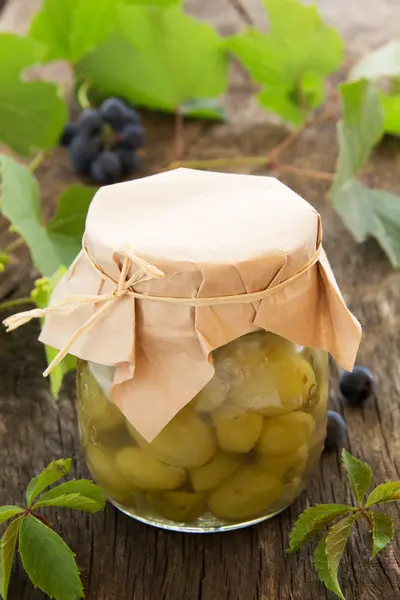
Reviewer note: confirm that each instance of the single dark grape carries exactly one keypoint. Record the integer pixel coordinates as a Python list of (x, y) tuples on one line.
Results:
[(335, 430), (356, 386), (129, 160), (69, 132), (82, 152), (106, 168), (132, 136), (90, 122), (118, 114)]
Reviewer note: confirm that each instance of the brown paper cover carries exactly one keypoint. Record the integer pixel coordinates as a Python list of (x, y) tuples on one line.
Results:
[(212, 234)]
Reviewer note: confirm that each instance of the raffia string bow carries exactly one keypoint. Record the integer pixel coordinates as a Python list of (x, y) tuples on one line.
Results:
[(124, 287)]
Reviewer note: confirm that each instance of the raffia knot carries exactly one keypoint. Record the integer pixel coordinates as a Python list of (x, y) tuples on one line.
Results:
[(120, 294)]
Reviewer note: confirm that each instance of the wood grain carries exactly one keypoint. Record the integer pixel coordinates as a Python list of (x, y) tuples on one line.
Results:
[(121, 559)]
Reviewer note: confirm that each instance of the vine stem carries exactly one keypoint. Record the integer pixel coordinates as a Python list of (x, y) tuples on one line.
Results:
[(179, 134), (242, 12), (369, 519), (254, 161), (29, 511), (82, 95), (37, 161), (270, 160), (12, 246), (16, 302), (306, 173)]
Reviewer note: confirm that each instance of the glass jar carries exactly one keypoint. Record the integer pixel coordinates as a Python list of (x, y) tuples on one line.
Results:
[(240, 452)]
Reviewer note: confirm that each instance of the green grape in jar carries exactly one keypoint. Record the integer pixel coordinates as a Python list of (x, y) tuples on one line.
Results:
[(285, 433), (104, 469), (246, 495), (222, 466), (211, 396), (95, 408), (186, 441), (285, 467), (237, 430), (183, 507), (147, 472), (281, 383)]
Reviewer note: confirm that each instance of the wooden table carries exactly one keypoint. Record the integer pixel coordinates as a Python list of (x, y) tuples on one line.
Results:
[(121, 559)]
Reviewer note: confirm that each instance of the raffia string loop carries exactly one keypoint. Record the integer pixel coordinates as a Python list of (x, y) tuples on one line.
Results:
[(124, 287)]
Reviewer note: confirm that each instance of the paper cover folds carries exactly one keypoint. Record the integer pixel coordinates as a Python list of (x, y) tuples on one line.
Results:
[(212, 234)]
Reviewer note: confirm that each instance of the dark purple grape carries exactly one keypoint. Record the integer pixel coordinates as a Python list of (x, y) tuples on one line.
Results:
[(90, 122), (69, 132), (118, 114), (130, 161), (132, 136), (106, 168), (335, 431), (82, 152), (356, 386)]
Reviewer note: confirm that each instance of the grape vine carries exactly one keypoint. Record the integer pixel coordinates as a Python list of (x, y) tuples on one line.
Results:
[(152, 55)]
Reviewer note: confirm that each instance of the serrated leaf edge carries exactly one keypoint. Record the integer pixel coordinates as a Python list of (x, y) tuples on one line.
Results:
[(346, 456), (342, 509), (330, 584), (374, 514), (351, 520), (14, 524), (368, 502)]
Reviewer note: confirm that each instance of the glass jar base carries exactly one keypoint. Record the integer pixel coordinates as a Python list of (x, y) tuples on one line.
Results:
[(207, 523)]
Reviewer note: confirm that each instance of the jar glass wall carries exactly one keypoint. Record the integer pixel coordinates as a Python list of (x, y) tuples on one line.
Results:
[(240, 452)]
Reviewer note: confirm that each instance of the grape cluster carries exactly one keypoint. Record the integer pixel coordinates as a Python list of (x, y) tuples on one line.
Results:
[(103, 143)]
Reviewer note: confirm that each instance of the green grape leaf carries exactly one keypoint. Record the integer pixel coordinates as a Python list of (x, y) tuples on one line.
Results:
[(359, 474), (52, 473), (84, 487), (17, 54), (292, 60), (370, 212), (60, 242), (390, 105), (81, 495), (360, 129), (75, 501), (385, 492), (322, 568), (58, 373), (41, 295), (20, 204), (66, 228), (364, 211), (203, 108), (313, 520), (151, 47), (384, 62), (32, 115), (48, 561), (335, 543), (7, 553), (382, 532), (8, 511), (71, 29), (52, 26)]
